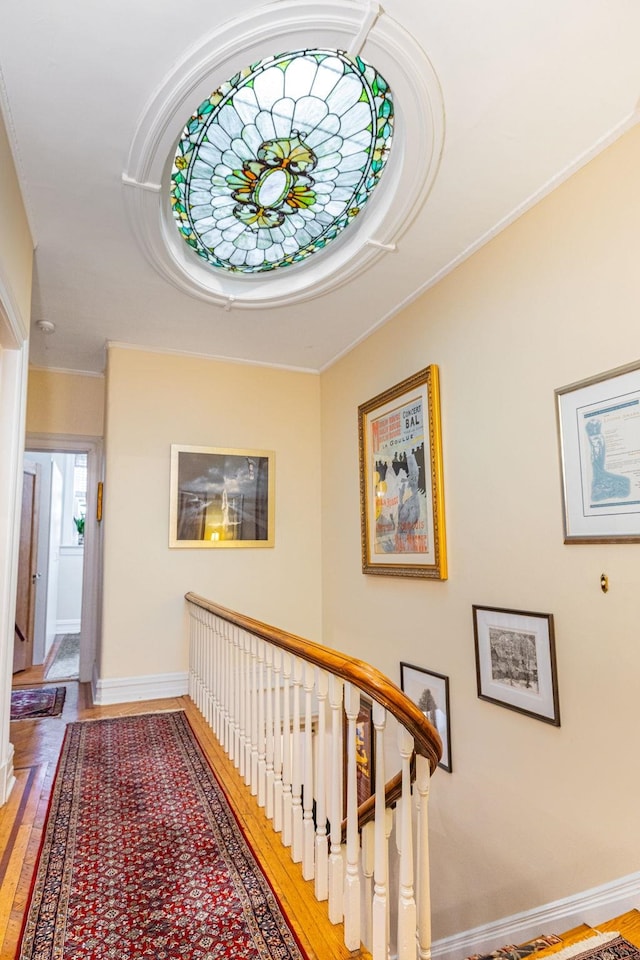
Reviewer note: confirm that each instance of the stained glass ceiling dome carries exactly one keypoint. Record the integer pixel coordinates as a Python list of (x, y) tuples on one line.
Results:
[(280, 159), (318, 159)]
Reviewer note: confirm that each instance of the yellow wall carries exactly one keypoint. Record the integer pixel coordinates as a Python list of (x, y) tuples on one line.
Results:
[(531, 813), (155, 400), (16, 246), (65, 403)]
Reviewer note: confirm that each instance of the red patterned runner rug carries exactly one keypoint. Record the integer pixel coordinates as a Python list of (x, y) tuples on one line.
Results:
[(143, 857)]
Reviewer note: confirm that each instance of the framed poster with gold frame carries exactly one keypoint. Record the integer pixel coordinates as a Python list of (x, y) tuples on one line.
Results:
[(221, 497), (401, 481)]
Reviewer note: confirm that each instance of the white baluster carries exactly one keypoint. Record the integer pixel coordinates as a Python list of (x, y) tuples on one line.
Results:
[(380, 912), (277, 738), (230, 733), (296, 767), (321, 851), (261, 725), (217, 679), (248, 688), (269, 745), (242, 701), (287, 750), (308, 830), (424, 891), (237, 697), (368, 866), (352, 935), (254, 716), (203, 640), (193, 652), (198, 666), (211, 635), (336, 802), (407, 916), (203, 680)]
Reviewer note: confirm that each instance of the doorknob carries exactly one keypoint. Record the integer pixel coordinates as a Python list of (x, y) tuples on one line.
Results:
[(35, 576)]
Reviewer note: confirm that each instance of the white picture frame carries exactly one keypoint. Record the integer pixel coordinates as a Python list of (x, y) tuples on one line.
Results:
[(599, 438)]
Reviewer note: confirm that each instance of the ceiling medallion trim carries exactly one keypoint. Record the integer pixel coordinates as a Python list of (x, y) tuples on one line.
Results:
[(361, 29)]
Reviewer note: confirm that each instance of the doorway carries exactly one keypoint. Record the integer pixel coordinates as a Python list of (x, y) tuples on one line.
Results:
[(68, 590), (27, 569), (57, 577)]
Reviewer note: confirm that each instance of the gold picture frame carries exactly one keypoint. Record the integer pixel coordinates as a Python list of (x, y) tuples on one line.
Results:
[(401, 480), (221, 497)]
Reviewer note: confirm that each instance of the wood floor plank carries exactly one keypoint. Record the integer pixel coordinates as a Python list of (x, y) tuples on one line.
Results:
[(627, 925), (17, 842)]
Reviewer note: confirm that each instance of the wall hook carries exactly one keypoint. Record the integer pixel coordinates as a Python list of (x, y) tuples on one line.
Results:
[(604, 582)]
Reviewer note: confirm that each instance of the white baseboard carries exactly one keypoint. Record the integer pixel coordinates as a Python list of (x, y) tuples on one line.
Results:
[(591, 906), (67, 626), (131, 689), (7, 778)]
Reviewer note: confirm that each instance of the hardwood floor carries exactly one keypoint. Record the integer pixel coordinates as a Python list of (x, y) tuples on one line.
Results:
[(37, 746)]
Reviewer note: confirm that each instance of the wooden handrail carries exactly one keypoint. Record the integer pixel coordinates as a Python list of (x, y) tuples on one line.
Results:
[(375, 684)]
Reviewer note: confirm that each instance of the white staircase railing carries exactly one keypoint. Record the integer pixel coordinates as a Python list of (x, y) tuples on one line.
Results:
[(287, 711)]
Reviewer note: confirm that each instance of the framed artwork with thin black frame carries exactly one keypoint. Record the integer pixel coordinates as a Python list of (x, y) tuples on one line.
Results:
[(430, 692)]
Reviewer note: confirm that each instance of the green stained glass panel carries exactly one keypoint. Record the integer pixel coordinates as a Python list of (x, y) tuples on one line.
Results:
[(280, 159)]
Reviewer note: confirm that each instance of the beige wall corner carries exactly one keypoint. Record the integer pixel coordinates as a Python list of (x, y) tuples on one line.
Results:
[(155, 400), (70, 404), (16, 249), (531, 813), (16, 258)]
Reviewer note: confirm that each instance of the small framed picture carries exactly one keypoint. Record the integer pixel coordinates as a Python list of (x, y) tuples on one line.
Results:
[(365, 756), (430, 692), (516, 661)]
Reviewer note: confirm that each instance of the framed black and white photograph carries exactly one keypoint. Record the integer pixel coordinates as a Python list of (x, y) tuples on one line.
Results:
[(599, 434), (221, 497), (516, 661), (430, 692)]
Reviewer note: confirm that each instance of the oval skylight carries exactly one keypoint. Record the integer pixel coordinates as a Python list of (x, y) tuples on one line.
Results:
[(280, 159)]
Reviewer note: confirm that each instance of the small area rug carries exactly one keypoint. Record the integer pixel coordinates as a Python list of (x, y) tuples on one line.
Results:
[(66, 661), (514, 951), (602, 946), (36, 702), (143, 857)]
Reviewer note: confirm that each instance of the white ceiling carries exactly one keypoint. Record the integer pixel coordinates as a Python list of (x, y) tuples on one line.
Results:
[(531, 89)]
